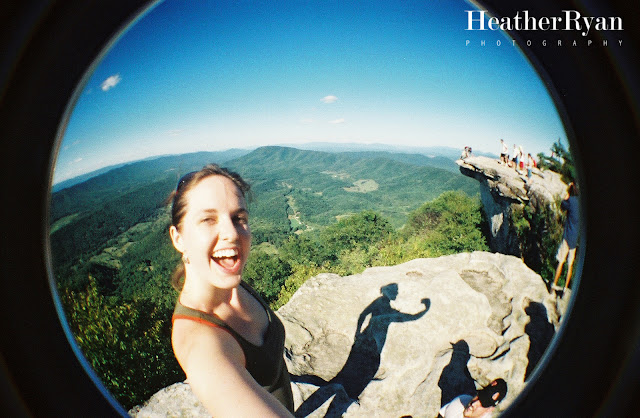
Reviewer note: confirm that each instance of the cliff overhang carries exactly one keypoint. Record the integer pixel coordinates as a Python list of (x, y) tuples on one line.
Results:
[(504, 190)]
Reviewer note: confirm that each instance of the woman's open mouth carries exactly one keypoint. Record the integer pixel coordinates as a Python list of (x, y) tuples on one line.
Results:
[(228, 259)]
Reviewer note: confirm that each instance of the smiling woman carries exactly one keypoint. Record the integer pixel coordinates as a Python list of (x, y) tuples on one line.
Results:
[(207, 216), (227, 340)]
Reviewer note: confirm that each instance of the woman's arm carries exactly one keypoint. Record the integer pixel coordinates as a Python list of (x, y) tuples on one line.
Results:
[(215, 367)]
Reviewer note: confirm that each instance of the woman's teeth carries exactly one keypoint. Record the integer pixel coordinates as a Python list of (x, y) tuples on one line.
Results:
[(226, 258), (225, 253)]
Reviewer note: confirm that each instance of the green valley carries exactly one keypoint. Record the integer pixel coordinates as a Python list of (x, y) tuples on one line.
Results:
[(311, 212)]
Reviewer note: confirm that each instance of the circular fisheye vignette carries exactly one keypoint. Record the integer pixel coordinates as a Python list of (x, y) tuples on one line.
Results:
[(577, 263), (62, 316), (521, 44)]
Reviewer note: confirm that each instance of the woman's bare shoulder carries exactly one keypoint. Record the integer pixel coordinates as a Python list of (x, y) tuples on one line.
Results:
[(195, 342), (214, 364)]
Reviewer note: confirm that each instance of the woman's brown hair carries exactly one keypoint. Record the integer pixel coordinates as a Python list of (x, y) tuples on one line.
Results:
[(179, 203)]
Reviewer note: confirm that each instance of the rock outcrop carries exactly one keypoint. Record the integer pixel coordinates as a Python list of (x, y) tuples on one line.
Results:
[(503, 190), (177, 400), (404, 340)]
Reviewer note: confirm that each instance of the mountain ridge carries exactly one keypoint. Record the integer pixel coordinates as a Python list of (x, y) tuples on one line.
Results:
[(295, 190), (439, 156)]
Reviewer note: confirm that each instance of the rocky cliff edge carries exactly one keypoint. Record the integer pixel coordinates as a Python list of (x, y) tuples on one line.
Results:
[(404, 340), (502, 188)]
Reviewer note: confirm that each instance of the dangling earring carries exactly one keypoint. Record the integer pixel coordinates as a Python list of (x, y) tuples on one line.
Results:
[(185, 259)]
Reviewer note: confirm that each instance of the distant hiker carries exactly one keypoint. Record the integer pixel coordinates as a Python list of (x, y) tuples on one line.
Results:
[(516, 156), (567, 249), (465, 153), (227, 340), (479, 406), (504, 152), (530, 165), (521, 154)]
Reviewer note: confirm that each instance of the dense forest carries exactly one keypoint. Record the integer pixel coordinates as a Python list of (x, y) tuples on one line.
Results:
[(311, 212)]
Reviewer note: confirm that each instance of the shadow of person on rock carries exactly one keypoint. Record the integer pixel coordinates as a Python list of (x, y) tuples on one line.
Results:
[(540, 333), (364, 358), (455, 379)]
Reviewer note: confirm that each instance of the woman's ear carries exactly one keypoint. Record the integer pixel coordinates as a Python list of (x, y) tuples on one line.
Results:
[(176, 238)]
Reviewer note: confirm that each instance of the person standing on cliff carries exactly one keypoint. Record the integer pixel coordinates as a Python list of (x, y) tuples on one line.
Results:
[(530, 165), (504, 152), (516, 157), (567, 249)]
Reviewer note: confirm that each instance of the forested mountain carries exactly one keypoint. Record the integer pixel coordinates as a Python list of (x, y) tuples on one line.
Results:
[(292, 190), (433, 152), (82, 178), (437, 161), (90, 195), (319, 187), (311, 211)]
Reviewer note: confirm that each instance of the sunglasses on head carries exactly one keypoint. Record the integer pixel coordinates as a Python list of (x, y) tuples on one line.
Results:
[(184, 179)]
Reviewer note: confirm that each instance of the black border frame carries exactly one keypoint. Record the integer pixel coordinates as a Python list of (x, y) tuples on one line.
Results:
[(593, 369)]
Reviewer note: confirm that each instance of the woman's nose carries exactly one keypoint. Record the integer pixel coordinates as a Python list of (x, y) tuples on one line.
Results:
[(228, 230)]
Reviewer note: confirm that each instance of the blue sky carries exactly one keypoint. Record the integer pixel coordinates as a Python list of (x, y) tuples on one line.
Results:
[(212, 75)]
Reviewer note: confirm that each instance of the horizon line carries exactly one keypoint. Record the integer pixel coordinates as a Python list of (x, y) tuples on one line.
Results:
[(286, 145)]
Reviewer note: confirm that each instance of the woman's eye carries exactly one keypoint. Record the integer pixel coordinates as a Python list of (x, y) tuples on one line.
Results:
[(209, 220)]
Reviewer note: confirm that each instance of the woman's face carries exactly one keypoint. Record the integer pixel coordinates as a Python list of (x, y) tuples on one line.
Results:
[(214, 234)]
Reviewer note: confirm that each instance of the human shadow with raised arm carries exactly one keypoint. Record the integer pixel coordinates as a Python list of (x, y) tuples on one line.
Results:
[(363, 362)]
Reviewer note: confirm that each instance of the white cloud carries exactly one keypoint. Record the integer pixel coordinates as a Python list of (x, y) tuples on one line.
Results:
[(306, 120), (337, 121), (110, 82), (67, 145), (174, 132), (329, 99), (77, 160)]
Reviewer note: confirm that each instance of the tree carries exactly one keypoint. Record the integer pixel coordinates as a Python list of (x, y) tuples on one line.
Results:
[(554, 163), (307, 249), (266, 273), (451, 223), (357, 231), (127, 344)]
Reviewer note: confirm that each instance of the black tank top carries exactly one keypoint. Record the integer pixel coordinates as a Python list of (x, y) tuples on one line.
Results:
[(265, 363)]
